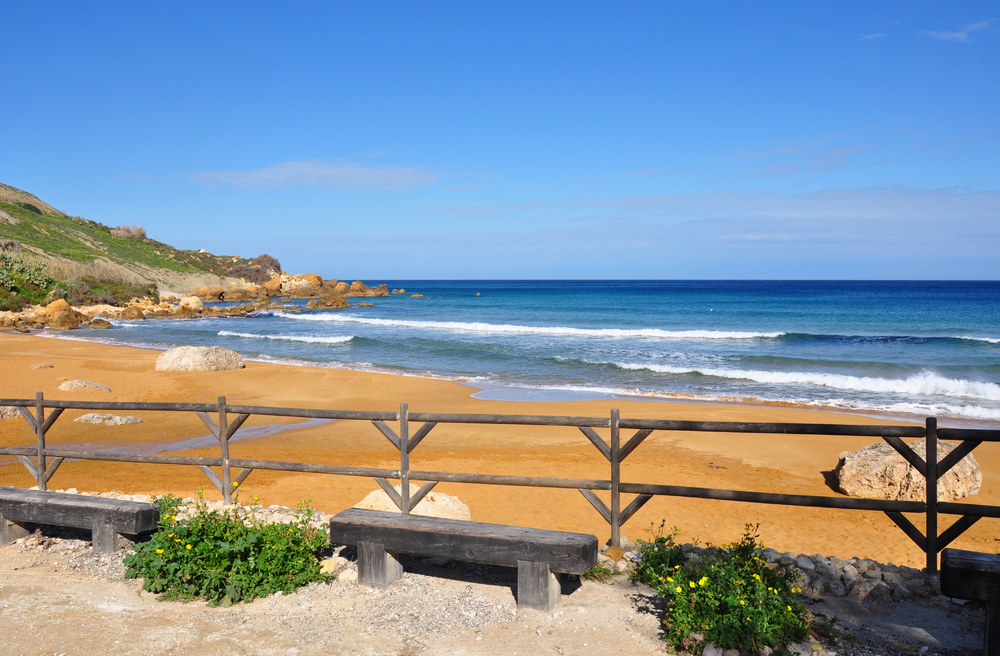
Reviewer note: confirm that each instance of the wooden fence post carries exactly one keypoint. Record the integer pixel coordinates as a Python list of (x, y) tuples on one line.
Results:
[(616, 479), (40, 435), (931, 530), (227, 488), (404, 457)]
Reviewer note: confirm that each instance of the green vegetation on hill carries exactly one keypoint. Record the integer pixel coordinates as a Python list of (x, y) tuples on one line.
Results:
[(86, 262), (82, 240)]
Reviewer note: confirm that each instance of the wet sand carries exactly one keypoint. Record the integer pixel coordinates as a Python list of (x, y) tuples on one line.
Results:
[(790, 464)]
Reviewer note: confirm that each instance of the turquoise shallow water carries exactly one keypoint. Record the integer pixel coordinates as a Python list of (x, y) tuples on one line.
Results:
[(903, 348)]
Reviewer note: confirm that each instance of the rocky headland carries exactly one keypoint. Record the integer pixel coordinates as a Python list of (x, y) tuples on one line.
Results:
[(244, 299)]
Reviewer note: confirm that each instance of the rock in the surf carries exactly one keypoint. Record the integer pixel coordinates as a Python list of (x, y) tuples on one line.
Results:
[(199, 358), (877, 471), (435, 504)]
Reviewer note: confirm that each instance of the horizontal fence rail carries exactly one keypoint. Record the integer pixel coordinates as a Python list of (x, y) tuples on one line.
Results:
[(42, 462)]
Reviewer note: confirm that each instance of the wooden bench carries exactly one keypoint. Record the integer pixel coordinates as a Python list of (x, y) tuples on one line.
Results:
[(975, 576), (537, 554), (106, 518)]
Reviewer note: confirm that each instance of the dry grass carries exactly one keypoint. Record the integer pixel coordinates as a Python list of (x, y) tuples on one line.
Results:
[(63, 269), (138, 233)]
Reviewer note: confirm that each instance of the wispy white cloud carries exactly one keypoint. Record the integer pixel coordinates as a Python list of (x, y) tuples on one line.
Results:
[(343, 175), (960, 34), (870, 204), (813, 155), (870, 37)]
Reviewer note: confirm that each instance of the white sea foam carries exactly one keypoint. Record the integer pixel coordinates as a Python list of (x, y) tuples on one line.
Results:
[(923, 384), (513, 329), (991, 340), (337, 339)]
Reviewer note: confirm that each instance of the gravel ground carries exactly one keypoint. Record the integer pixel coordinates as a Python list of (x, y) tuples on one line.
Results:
[(58, 597)]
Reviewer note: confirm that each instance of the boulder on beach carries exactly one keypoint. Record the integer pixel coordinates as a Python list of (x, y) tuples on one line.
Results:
[(417, 296), (61, 316), (192, 302), (80, 385), (103, 324), (877, 471), (199, 358), (342, 288), (435, 504), (9, 412), (106, 419)]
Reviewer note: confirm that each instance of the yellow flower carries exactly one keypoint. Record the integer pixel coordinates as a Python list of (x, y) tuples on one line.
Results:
[(703, 581), (159, 551), (742, 603), (691, 583), (670, 579), (788, 607), (757, 576), (170, 535), (677, 589), (189, 546), (177, 540)]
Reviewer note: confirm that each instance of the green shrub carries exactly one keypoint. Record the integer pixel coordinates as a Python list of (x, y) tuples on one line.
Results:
[(226, 556), (22, 281), (727, 595), (660, 555)]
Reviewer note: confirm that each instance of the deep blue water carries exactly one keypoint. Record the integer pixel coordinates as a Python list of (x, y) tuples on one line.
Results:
[(912, 348)]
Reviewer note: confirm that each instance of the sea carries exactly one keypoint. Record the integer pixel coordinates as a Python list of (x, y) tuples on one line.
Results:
[(891, 349)]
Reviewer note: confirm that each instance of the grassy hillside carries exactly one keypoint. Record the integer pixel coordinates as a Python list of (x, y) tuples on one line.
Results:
[(87, 262), (82, 240)]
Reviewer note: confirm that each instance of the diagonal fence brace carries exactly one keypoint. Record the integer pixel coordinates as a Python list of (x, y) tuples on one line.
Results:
[(421, 493), (598, 505), (633, 508), (911, 531), (908, 454), (597, 441), (391, 492), (388, 432)]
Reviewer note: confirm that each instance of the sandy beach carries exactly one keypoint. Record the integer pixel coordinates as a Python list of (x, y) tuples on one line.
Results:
[(792, 464)]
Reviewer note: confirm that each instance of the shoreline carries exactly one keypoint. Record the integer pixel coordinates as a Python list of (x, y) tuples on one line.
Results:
[(772, 463), (520, 393)]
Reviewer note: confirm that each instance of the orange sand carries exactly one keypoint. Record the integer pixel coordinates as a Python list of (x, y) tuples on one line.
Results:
[(792, 464)]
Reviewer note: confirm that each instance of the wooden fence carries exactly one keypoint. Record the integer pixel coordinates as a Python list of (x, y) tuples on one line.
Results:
[(229, 418)]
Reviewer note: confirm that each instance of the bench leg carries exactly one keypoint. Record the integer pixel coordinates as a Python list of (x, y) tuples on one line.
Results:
[(537, 586), (9, 531), (992, 646), (104, 539), (376, 567)]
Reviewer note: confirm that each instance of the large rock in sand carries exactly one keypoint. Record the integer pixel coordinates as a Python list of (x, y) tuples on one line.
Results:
[(61, 316), (199, 358), (877, 471), (435, 504)]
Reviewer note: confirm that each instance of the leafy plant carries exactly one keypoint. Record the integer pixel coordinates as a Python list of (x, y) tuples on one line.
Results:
[(599, 574), (226, 556), (728, 596), (660, 555), (22, 281)]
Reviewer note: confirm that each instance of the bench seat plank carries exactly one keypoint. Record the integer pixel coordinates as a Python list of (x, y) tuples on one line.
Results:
[(76, 510), (455, 539)]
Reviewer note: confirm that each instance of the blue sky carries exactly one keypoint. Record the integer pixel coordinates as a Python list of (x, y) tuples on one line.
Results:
[(521, 140)]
